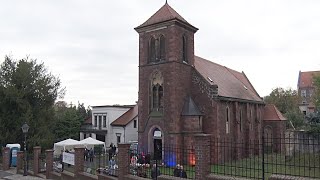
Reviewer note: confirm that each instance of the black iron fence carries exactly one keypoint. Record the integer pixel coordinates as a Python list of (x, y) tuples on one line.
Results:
[(101, 162), (42, 162), (170, 160), (292, 155)]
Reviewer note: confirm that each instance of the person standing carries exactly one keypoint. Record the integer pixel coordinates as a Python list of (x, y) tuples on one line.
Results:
[(61, 161), (91, 154)]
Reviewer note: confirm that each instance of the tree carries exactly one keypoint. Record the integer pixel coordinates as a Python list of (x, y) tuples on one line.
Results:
[(287, 101), (27, 94), (316, 96), (68, 120)]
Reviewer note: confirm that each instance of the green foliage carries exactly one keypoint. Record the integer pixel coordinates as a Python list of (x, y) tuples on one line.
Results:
[(296, 118), (284, 99), (314, 123), (316, 96), (27, 93), (287, 101), (69, 120)]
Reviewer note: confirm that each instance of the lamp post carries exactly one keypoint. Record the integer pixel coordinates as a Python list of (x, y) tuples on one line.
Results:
[(25, 129)]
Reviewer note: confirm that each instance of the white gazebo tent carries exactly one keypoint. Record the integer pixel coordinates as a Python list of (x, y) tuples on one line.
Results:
[(90, 143), (65, 144)]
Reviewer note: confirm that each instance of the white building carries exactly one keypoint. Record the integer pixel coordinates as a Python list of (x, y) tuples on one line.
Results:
[(112, 124)]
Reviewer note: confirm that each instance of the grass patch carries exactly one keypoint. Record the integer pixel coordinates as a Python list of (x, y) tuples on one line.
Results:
[(304, 165)]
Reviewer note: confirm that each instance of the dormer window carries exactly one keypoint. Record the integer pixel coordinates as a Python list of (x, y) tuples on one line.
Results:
[(157, 49)]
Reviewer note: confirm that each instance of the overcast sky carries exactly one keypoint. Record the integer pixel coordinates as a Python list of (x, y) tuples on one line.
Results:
[(92, 46)]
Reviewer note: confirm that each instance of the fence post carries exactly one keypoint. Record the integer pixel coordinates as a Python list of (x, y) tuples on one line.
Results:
[(123, 158), (6, 158), (49, 163), (263, 169), (36, 154), (19, 160), (78, 160), (202, 154)]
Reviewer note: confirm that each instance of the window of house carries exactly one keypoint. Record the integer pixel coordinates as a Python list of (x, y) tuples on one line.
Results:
[(104, 121), (303, 93), (100, 121), (135, 124), (95, 121), (184, 49), (118, 137), (304, 112), (227, 121)]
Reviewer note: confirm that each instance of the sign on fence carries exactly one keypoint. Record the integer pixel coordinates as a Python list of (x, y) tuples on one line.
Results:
[(68, 158)]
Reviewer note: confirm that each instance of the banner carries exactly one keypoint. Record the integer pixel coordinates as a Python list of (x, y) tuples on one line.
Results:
[(68, 158)]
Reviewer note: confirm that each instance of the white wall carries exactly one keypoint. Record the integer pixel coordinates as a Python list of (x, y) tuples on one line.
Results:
[(112, 114), (128, 133)]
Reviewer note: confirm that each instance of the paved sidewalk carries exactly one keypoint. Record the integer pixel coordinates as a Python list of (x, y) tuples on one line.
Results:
[(11, 174)]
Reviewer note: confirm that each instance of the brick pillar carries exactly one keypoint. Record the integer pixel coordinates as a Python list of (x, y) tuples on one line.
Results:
[(49, 163), (124, 159), (78, 160), (36, 155), (6, 158), (202, 152), (20, 156)]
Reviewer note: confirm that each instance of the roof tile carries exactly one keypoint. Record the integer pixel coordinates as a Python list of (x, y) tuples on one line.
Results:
[(271, 113), (230, 82), (127, 117)]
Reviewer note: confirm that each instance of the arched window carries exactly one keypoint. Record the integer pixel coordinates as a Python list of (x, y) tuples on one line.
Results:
[(160, 90), (157, 49), (157, 103), (184, 49), (162, 48), (154, 96), (241, 120), (152, 50), (251, 120), (227, 120)]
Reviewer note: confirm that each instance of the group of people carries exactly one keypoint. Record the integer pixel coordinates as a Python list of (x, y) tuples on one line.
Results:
[(88, 154), (112, 151), (179, 171)]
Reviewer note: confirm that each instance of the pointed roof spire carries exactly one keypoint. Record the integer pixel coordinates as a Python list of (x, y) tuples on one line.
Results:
[(165, 13)]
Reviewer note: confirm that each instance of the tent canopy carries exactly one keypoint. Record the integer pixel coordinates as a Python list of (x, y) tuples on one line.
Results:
[(90, 142), (65, 144)]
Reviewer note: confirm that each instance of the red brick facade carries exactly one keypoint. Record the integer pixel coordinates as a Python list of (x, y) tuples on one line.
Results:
[(182, 80)]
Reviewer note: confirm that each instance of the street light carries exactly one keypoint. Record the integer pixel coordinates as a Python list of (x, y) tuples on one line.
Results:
[(25, 129)]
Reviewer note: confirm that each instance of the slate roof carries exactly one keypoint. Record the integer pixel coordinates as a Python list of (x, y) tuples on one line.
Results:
[(306, 78), (271, 113), (165, 13), (230, 82), (127, 117), (190, 108)]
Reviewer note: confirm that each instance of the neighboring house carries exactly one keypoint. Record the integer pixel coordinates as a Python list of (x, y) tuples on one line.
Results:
[(181, 95), (99, 125), (274, 125), (306, 90), (125, 128)]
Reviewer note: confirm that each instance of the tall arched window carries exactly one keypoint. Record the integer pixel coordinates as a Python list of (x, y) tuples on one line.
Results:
[(184, 49), (152, 50), (241, 120), (227, 120), (162, 48), (157, 102), (157, 49)]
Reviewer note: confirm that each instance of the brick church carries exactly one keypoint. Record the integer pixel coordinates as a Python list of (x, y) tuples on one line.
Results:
[(181, 94)]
